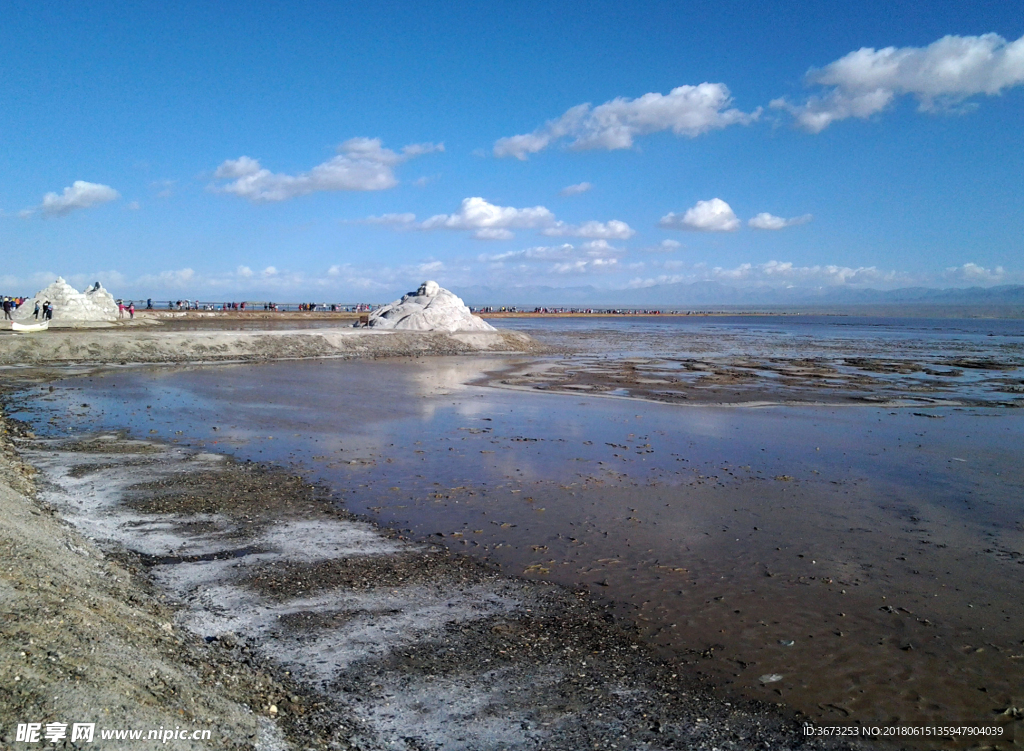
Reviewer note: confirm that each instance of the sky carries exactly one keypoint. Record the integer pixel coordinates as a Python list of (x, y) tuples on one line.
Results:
[(345, 152)]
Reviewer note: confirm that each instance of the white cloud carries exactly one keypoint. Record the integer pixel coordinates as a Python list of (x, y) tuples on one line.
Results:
[(686, 111), (974, 274), (939, 76), (133, 206), (396, 219), (270, 271), (596, 248), (244, 272), (590, 257), (493, 233), (361, 164), (575, 190), (706, 216), (665, 246), (537, 253), (779, 274), (764, 220), (581, 266), (488, 221), (79, 195), (611, 230), (484, 217)]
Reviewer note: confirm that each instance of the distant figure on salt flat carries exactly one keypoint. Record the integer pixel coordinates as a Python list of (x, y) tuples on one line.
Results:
[(131, 310), (7, 309), (35, 313)]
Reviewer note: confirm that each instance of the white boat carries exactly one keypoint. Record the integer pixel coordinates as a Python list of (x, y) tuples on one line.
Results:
[(28, 328)]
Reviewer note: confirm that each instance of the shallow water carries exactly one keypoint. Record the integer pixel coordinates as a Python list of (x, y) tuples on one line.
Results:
[(871, 557), (805, 359)]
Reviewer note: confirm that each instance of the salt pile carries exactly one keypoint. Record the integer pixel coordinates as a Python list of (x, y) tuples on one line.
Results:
[(95, 304), (430, 308)]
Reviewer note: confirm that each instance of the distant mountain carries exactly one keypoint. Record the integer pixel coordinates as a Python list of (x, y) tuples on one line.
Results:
[(703, 294)]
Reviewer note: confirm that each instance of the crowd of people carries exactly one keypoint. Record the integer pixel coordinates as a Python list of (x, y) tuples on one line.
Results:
[(576, 311), (307, 307), (43, 311), (11, 304)]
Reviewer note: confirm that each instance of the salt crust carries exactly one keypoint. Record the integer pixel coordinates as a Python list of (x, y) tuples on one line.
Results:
[(216, 599)]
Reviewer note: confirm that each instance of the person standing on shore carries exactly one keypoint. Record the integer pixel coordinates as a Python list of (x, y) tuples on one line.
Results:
[(47, 311), (131, 310), (35, 313), (7, 309)]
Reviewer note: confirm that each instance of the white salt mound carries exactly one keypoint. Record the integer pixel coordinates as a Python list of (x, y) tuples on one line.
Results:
[(430, 308), (95, 304)]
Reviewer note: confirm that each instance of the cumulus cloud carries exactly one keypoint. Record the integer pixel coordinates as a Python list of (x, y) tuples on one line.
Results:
[(940, 76), (489, 221), (79, 195), (590, 257), (575, 190), (611, 230), (972, 273), (706, 216), (764, 220), (362, 164), (686, 111)]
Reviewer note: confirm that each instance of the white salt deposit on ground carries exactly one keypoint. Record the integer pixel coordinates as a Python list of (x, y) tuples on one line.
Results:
[(95, 304), (430, 308)]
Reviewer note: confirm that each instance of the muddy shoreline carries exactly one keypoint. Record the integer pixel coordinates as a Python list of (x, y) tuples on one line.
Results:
[(428, 649), (251, 597)]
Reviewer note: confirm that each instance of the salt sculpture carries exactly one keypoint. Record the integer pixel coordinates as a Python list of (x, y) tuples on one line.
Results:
[(96, 304), (430, 308)]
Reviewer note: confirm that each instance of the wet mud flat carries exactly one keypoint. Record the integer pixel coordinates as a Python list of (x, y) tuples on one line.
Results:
[(862, 566), (374, 641), (780, 362), (962, 382)]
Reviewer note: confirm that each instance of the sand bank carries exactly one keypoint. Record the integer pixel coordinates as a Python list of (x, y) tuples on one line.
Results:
[(157, 345)]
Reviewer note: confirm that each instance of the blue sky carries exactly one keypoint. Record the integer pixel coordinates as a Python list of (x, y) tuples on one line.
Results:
[(332, 151)]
